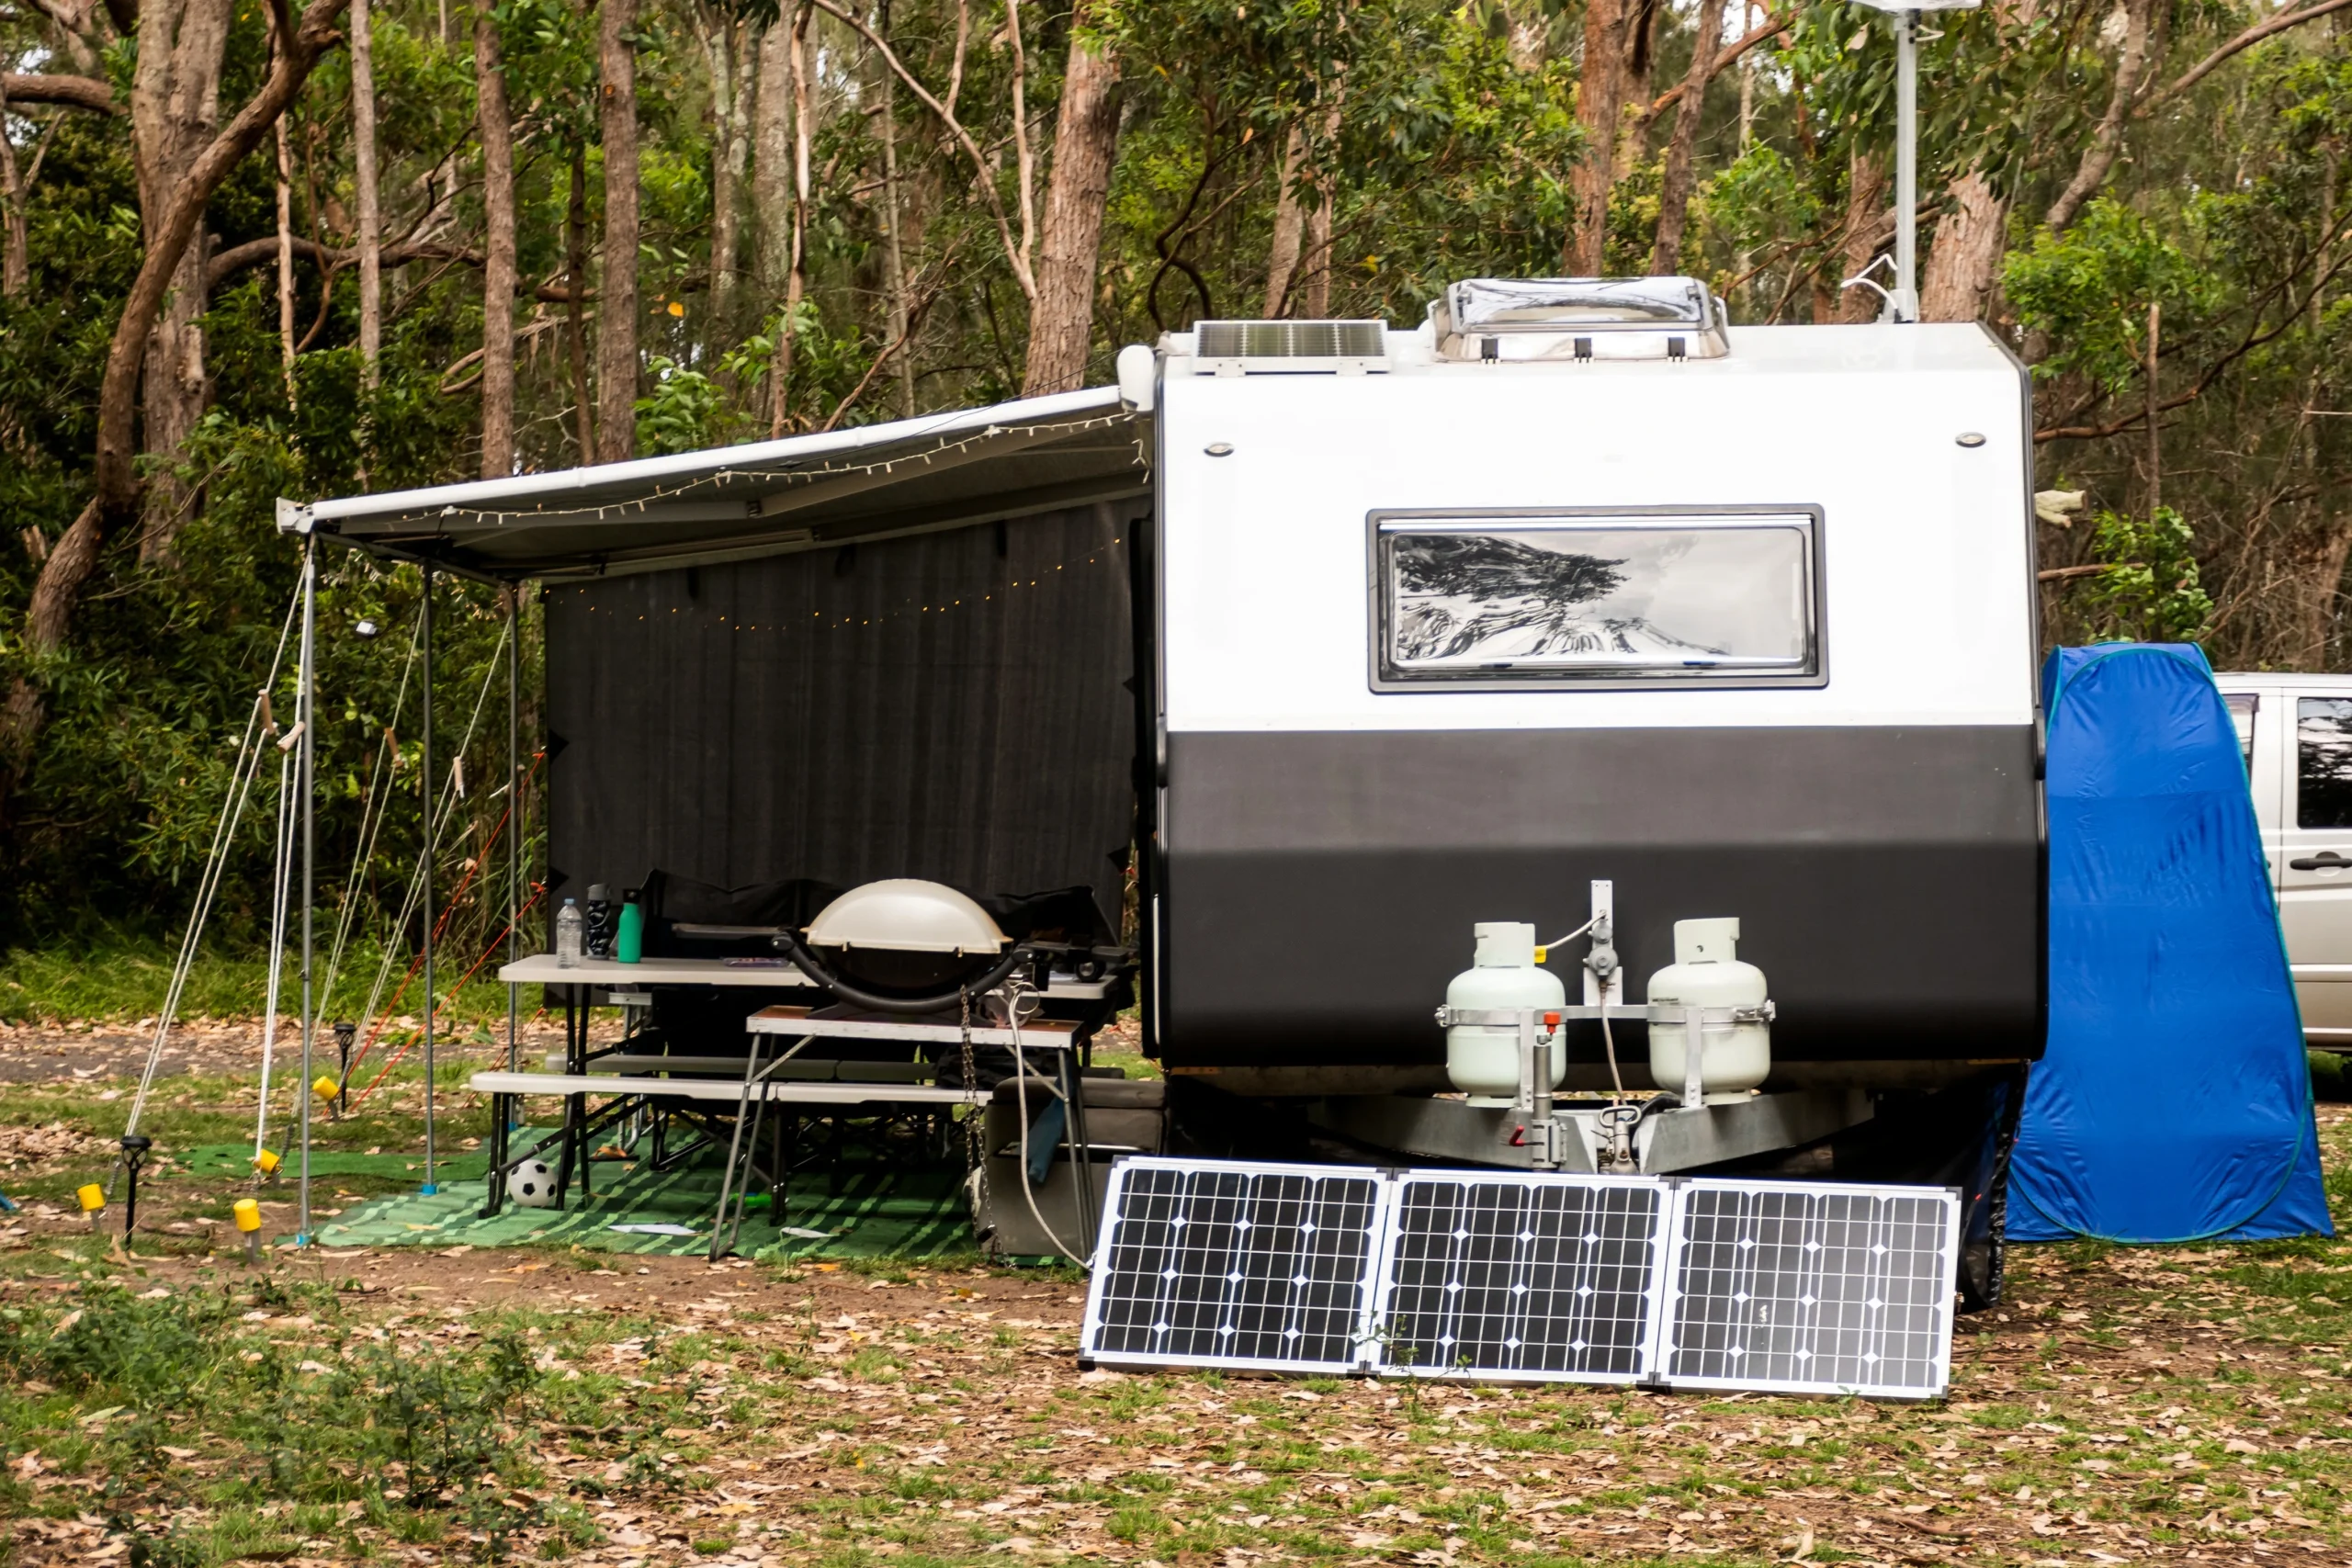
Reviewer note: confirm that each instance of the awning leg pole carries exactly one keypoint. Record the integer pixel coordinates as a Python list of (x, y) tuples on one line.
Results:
[(514, 845), (426, 784), (307, 713)]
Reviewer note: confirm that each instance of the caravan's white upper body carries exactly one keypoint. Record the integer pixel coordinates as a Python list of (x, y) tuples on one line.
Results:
[(1744, 626), (1911, 441)]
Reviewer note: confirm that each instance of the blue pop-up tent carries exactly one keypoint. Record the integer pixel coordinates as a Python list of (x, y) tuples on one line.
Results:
[(2173, 1102)]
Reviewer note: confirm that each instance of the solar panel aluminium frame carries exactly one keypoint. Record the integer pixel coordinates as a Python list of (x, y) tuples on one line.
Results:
[(1674, 1326), (1137, 1173), (1517, 1303)]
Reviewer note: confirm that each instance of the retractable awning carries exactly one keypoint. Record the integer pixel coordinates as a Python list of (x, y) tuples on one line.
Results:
[(911, 476)]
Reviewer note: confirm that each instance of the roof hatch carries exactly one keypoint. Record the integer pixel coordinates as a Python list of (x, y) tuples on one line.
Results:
[(1579, 318)]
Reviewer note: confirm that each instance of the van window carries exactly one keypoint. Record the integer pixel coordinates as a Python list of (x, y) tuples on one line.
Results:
[(2243, 705), (1510, 600), (2322, 763)]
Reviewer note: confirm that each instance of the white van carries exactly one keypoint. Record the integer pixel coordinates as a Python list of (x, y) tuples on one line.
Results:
[(2297, 734)]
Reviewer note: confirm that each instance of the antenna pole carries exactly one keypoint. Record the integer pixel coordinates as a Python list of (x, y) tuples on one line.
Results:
[(1905, 305)]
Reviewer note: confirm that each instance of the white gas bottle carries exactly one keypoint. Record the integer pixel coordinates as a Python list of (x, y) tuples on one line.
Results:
[(1483, 1059), (1736, 1057)]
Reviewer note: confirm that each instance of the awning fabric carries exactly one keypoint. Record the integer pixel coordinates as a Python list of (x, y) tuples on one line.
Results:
[(878, 481), (2174, 1101)]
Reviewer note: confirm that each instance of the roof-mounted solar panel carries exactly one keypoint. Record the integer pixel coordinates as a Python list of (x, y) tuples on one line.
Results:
[(1535, 1278), (1224, 1263), (1240, 349), (1814, 1288)]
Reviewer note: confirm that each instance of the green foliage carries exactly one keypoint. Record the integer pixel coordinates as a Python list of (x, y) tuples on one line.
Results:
[(2088, 289), (1437, 139), (683, 411), (330, 1415), (2149, 591)]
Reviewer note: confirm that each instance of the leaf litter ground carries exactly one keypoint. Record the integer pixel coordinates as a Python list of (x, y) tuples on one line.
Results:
[(2124, 1405)]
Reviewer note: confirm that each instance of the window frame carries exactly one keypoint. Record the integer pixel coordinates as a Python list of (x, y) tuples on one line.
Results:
[(2252, 711), (1385, 678)]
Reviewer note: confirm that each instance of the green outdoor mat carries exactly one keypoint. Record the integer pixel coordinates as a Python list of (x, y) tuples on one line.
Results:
[(237, 1160), (914, 1215)]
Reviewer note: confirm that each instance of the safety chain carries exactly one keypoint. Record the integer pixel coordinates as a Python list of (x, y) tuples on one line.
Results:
[(971, 1081)]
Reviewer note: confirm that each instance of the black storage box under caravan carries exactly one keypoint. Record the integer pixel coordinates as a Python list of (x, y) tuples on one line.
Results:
[(1749, 633)]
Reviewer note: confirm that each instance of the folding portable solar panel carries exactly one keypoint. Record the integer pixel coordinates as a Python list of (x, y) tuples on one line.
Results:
[(1542, 1278), (1236, 1265), (1822, 1288), (1819, 1288)]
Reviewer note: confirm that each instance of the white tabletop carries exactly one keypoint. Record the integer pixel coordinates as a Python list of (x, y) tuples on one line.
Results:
[(541, 969), (608, 974), (1042, 1033), (777, 1091)]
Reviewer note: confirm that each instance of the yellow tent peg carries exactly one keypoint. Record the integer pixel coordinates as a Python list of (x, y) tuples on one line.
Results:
[(324, 1086), (267, 1162), (247, 1213), (93, 1198)]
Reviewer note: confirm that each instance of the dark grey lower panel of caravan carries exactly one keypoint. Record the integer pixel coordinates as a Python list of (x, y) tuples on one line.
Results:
[(1318, 889)]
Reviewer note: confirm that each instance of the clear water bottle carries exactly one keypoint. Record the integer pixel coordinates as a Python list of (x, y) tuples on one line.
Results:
[(567, 935)]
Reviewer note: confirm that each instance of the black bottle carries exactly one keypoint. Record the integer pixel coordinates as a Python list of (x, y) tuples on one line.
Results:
[(596, 936)]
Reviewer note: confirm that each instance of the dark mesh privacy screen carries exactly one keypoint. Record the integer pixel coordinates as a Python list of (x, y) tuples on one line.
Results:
[(949, 706)]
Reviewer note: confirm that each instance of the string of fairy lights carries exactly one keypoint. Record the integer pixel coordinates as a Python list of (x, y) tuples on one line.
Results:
[(803, 475), (909, 609)]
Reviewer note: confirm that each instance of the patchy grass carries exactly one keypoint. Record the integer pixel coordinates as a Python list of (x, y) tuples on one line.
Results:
[(125, 980), (2183, 1404)]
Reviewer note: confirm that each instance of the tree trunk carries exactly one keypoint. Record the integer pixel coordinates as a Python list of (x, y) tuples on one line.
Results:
[(799, 70), (724, 38), (175, 108), (173, 221), (1866, 224), (498, 275), (1086, 139), (363, 162), (285, 183), (1682, 149), (1311, 294), (1633, 96), (575, 241), (1601, 84), (1290, 227), (2143, 46), (616, 366), (1965, 259), (894, 255), (15, 265), (771, 162)]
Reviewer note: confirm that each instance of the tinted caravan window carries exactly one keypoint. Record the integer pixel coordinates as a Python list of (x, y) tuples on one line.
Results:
[(1583, 600), (2322, 763)]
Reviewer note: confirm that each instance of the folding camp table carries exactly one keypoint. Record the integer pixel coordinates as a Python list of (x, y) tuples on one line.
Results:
[(590, 982)]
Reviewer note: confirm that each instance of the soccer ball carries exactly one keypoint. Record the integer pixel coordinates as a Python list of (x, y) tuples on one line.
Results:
[(532, 1184)]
